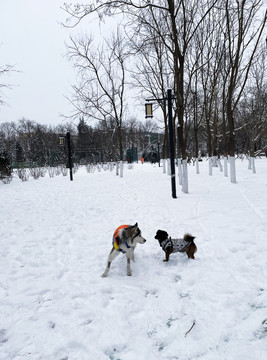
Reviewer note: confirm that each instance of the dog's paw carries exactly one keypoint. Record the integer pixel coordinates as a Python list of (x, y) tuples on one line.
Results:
[(105, 274), (129, 273)]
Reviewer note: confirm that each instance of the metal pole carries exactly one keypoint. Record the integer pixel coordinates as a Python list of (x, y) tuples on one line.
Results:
[(69, 155), (158, 154), (169, 96)]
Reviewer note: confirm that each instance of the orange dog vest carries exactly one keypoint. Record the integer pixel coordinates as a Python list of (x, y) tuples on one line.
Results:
[(116, 234)]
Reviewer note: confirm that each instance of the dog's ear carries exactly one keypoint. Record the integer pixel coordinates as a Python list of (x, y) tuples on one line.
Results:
[(136, 225)]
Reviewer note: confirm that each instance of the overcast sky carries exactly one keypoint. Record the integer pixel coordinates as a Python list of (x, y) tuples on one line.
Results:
[(32, 39)]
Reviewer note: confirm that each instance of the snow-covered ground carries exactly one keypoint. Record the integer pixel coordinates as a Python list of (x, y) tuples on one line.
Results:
[(55, 236)]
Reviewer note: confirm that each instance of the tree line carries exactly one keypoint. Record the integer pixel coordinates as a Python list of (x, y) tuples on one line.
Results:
[(27, 143)]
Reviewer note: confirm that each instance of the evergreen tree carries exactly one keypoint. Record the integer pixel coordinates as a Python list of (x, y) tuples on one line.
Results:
[(83, 141), (5, 163)]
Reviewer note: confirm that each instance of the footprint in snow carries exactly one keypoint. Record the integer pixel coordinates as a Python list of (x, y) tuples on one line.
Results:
[(3, 336), (177, 278), (151, 292)]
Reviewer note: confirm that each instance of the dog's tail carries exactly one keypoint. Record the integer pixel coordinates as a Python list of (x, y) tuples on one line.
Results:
[(189, 238)]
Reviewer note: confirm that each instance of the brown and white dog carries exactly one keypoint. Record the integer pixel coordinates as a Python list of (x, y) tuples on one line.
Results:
[(125, 239), (170, 245)]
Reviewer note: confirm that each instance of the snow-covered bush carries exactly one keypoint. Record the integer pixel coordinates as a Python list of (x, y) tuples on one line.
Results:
[(23, 174), (6, 179), (64, 170), (51, 172)]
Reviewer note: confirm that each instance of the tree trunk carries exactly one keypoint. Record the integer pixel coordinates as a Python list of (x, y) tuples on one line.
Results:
[(197, 166), (225, 166), (232, 170), (180, 171), (231, 128), (185, 177), (120, 142)]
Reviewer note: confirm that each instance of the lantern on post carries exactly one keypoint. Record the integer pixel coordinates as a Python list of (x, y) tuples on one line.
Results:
[(149, 110), (61, 140)]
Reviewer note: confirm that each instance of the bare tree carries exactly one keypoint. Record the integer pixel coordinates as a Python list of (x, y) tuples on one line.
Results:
[(4, 70), (251, 118), (210, 75), (243, 32), (28, 138), (8, 131), (100, 93)]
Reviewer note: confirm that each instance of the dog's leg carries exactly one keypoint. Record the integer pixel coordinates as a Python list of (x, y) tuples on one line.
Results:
[(129, 256), (132, 258), (112, 255), (191, 251), (190, 255), (168, 253)]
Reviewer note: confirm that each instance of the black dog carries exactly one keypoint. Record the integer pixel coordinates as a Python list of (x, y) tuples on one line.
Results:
[(170, 245)]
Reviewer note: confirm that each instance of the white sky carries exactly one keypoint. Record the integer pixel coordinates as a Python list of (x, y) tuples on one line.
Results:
[(32, 39)]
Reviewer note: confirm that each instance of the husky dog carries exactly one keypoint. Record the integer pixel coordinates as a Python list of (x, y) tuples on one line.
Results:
[(125, 239), (170, 245)]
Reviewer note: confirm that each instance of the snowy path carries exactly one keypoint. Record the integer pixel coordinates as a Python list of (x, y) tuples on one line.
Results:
[(55, 237)]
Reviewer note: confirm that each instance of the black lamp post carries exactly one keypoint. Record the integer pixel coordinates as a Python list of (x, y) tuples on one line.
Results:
[(61, 143), (158, 154), (69, 155), (149, 114)]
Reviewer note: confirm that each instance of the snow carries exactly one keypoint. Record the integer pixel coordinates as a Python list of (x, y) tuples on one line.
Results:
[(55, 237)]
